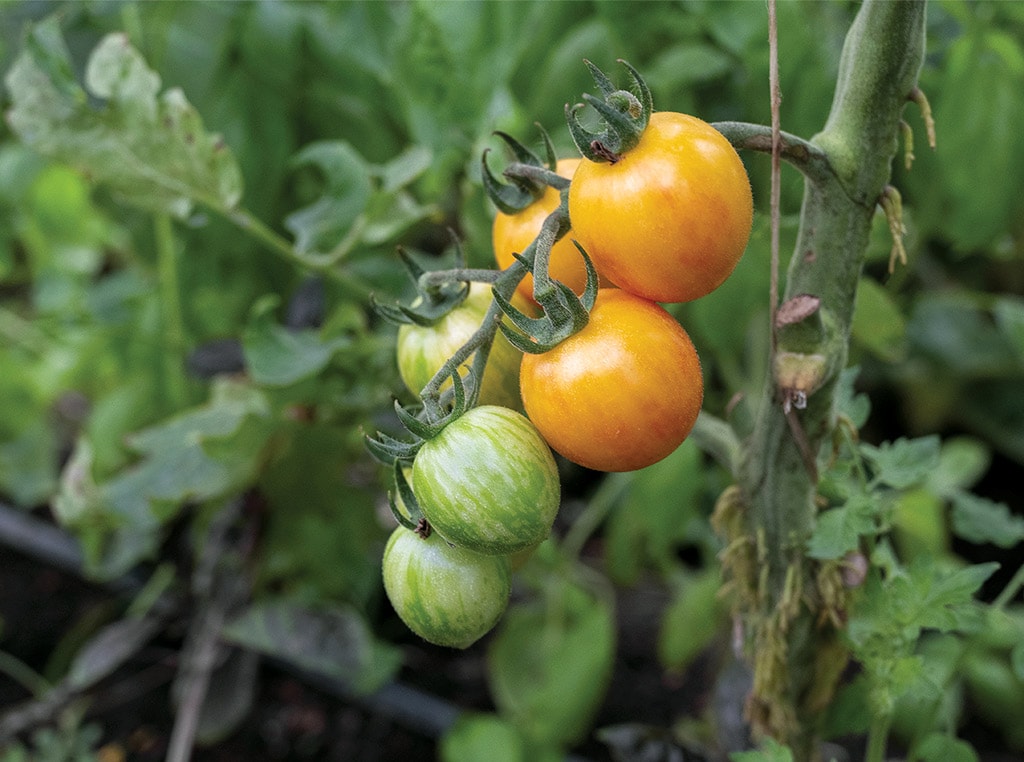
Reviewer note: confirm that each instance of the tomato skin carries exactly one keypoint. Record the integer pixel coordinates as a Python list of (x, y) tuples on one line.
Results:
[(670, 219), (448, 596), (422, 350), (488, 482), (622, 393), (515, 232)]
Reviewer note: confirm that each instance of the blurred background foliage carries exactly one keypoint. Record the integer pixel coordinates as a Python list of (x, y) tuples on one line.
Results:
[(155, 365)]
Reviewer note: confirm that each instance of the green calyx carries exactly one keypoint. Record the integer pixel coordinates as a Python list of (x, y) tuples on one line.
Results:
[(412, 517), (435, 299), (528, 177), (564, 313), (625, 114), (423, 425)]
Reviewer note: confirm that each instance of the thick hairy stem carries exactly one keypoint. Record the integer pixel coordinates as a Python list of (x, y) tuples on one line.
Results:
[(790, 634)]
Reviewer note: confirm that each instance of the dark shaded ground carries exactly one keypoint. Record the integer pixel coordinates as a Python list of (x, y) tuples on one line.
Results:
[(293, 719)]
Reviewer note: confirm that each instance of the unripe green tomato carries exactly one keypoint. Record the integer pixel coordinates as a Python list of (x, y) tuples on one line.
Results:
[(488, 482), (448, 596), (422, 350)]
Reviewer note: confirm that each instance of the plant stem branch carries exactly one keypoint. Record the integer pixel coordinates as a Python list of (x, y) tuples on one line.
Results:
[(170, 307), (846, 166), (802, 154), (1012, 588), (878, 737)]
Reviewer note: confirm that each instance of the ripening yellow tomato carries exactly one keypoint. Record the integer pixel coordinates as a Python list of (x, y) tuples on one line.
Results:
[(514, 232), (671, 218), (620, 394)]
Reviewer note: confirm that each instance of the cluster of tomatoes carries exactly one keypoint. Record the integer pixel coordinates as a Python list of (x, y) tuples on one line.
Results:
[(660, 207)]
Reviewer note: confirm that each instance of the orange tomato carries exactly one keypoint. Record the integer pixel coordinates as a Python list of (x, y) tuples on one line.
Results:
[(622, 393), (670, 219), (514, 232)]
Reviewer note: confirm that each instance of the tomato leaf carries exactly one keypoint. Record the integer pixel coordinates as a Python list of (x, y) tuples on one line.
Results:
[(277, 356), (942, 747), (659, 510), (550, 661), (334, 642), (839, 530), (200, 454), (905, 462), (770, 751), (691, 621), (482, 736), (980, 520), (149, 148), (878, 324)]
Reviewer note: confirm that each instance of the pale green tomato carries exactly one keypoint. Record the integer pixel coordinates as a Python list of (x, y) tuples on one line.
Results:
[(422, 350), (447, 595), (488, 482)]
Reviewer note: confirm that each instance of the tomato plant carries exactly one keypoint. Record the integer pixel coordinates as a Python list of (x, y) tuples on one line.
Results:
[(668, 219), (447, 595), (623, 392), (488, 481), (423, 349)]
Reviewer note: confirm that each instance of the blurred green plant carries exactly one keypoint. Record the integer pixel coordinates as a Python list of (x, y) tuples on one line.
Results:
[(156, 364)]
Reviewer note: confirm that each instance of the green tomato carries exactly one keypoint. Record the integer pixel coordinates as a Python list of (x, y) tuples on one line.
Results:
[(448, 596), (422, 350), (488, 482)]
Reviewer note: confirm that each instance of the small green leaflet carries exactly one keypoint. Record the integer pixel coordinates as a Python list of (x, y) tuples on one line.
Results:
[(151, 149), (838, 530), (905, 462), (980, 520), (276, 356)]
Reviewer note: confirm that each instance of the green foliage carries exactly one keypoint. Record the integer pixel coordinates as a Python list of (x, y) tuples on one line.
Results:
[(357, 126)]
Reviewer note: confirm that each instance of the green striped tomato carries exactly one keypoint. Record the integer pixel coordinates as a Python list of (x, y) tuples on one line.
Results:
[(488, 482), (448, 596), (422, 350)]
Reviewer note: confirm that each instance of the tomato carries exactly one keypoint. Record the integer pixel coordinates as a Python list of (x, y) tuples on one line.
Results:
[(488, 482), (622, 393), (670, 219), (515, 232), (422, 350), (448, 596)]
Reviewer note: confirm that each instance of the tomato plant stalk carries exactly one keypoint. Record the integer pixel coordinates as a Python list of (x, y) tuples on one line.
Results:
[(787, 603)]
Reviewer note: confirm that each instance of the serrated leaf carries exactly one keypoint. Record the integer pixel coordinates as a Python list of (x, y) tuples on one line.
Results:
[(150, 149), (856, 407), (962, 461), (276, 356), (905, 462), (980, 520), (838, 530), (334, 642), (891, 614), (946, 600), (203, 453)]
